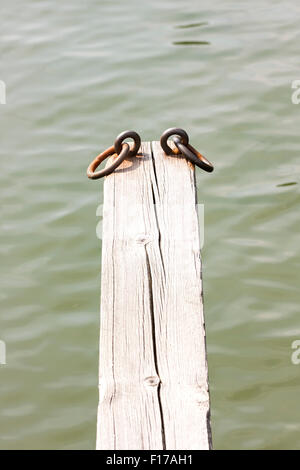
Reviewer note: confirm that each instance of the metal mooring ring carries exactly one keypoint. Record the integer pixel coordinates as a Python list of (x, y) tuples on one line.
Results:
[(101, 157), (126, 135), (173, 131), (194, 156)]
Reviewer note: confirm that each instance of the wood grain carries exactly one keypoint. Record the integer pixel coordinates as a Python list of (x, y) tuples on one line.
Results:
[(153, 384)]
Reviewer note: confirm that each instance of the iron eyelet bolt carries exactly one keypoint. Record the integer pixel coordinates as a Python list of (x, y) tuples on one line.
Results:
[(128, 135), (122, 150), (182, 143)]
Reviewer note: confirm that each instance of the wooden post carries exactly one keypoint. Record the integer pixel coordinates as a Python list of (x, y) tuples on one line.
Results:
[(153, 379)]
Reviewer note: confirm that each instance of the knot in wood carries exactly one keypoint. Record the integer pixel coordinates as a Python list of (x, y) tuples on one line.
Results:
[(143, 238), (152, 381)]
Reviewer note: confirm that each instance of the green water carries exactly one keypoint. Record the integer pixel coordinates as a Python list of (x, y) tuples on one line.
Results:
[(77, 74)]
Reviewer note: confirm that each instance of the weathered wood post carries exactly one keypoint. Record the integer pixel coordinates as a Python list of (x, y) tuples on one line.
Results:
[(153, 378)]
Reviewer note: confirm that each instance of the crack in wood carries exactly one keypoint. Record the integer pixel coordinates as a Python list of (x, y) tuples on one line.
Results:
[(155, 351)]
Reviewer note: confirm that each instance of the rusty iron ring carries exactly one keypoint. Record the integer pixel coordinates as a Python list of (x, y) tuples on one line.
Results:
[(173, 131), (193, 155), (101, 157), (128, 135)]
